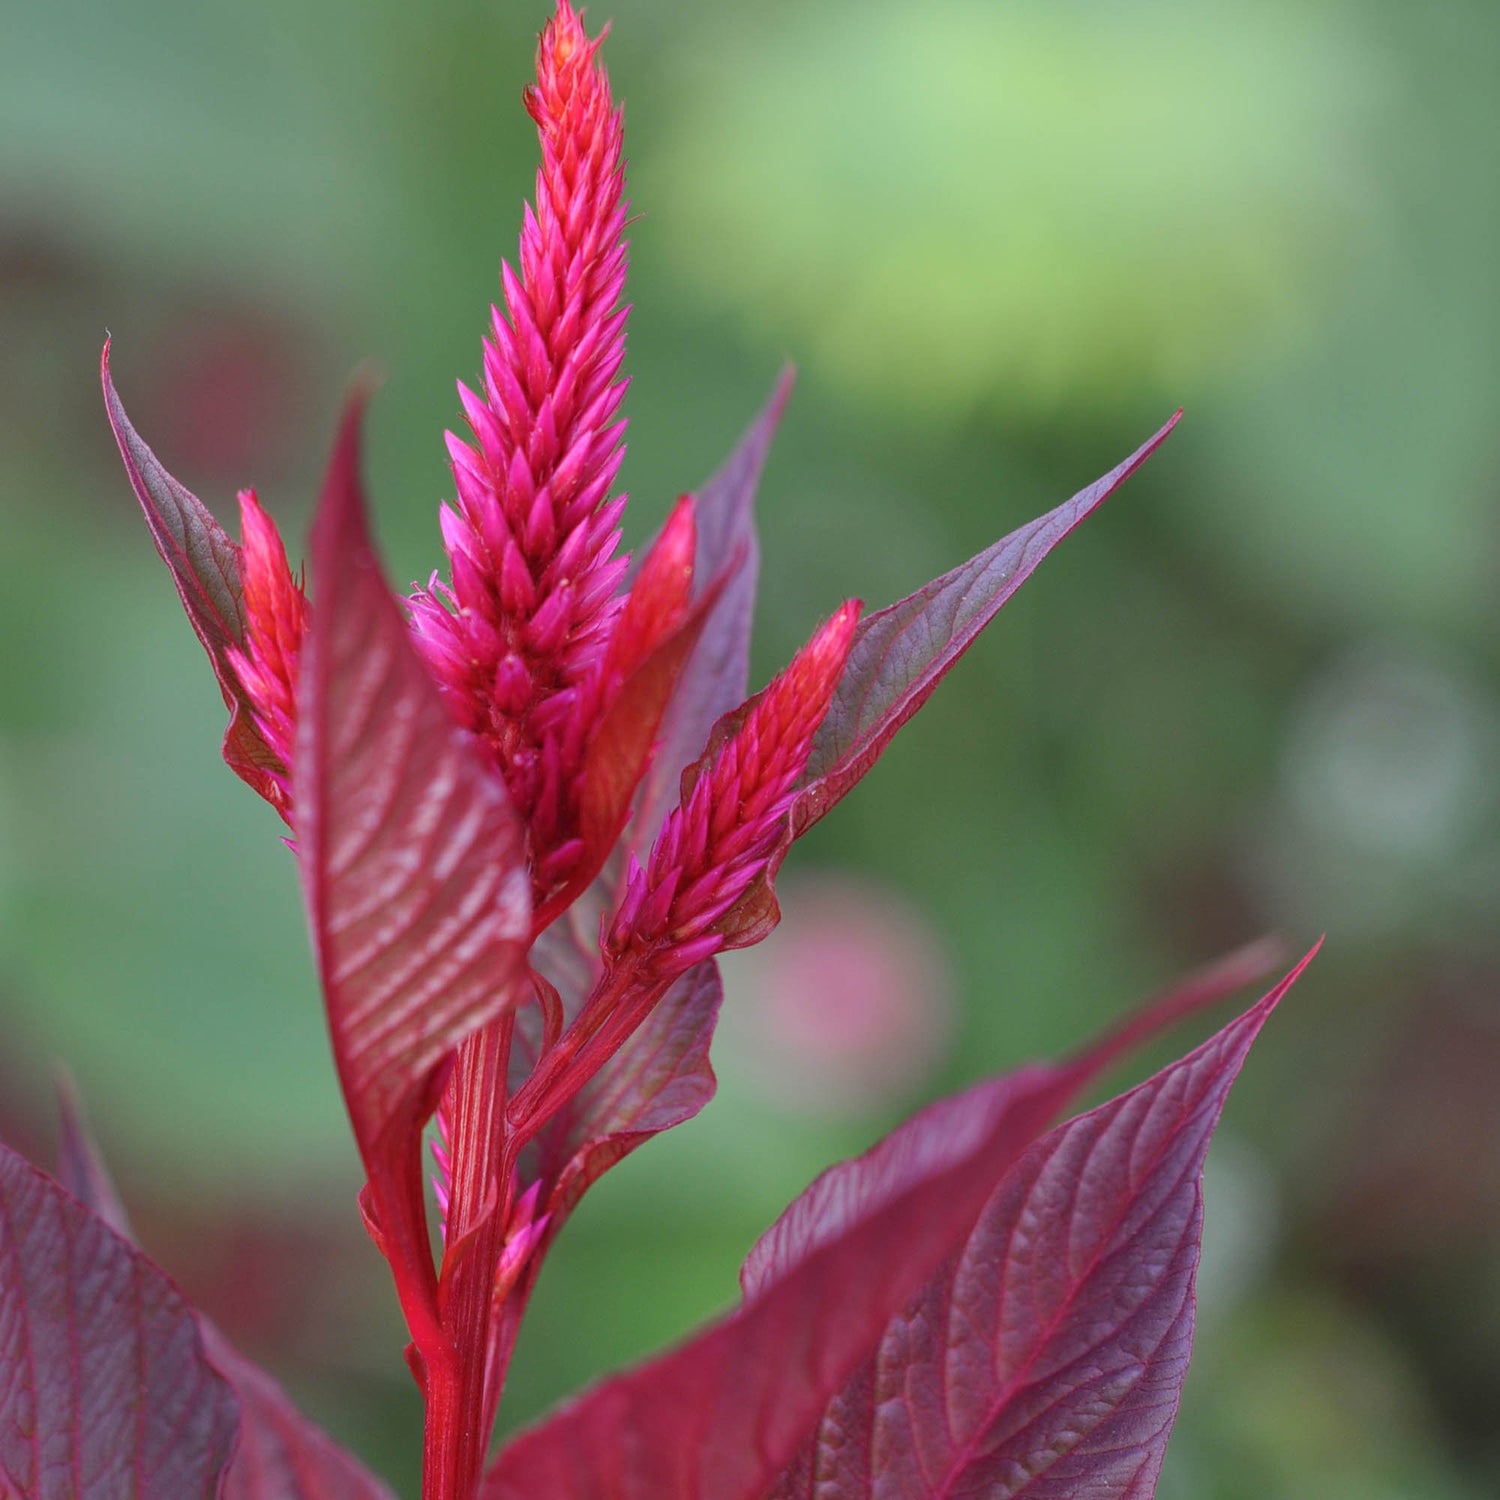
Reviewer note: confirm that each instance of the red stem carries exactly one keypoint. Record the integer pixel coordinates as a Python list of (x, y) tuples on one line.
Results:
[(485, 1140), (558, 1075), (598, 1031), (457, 1430)]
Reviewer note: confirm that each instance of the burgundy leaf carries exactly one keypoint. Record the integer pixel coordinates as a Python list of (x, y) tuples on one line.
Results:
[(726, 560), (280, 1454), (725, 567), (1045, 1360), (204, 561), (721, 1417), (716, 676), (621, 746), (899, 656), (105, 1390), (901, 653), (412, 866), (659, 1078)]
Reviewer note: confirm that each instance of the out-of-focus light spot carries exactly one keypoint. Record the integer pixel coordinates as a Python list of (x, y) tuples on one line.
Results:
[(1393, 749), (965, 204), (848, 1006), (1383, 818)]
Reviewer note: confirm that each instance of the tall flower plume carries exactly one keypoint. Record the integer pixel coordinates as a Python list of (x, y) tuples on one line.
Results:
[(520, 634)]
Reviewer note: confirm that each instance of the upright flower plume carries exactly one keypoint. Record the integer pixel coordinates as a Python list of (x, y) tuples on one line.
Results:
[(520, 636)]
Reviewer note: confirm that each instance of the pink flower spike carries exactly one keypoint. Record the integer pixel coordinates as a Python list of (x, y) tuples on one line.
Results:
[(276, 613), (532, 543), (727, 830)]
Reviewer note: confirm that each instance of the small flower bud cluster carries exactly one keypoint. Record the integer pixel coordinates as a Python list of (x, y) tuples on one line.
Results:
[(679, 907), (275, 627)]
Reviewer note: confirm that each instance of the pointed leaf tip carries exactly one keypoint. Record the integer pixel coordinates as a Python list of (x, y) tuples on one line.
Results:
[(80, 1166), (902, 652), (1046, 1358), (204, 561), (342, 519), (716, 676)]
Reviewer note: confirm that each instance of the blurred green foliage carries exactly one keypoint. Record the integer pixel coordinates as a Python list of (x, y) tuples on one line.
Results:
[(1004, 241)]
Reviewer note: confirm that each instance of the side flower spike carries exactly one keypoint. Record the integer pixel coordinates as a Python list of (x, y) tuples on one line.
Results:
[(276, 614), (705, 886), (687, 901)]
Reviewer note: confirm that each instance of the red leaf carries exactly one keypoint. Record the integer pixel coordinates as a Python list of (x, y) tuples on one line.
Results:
[(204, 561), (942, 1132), (280, 1454), (659, 1078), (1045, 1360), (104, 1386), (712, 682), (721, 1417), (901, 653), (412, 867), (717, 675)]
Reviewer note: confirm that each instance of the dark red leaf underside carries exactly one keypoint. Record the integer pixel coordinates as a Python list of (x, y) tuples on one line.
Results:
[(1045, 1360), (105, 1391), (412, 861), (659, 1078), (721, 1417), (280, 1455), (944, 1131), (716, 675), (901, 653), (204, 561)]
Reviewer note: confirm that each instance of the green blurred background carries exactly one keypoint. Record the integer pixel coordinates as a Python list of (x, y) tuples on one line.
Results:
[(1003, 240)]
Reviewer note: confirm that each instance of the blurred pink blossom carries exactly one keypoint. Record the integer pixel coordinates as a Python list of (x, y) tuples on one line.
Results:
[(852, 1003)]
